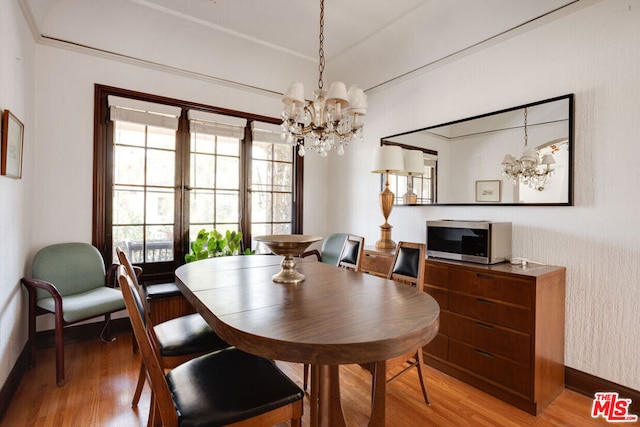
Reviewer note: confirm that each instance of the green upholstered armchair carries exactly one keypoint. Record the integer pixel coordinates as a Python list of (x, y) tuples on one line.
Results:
[(70, 281), (331, 248)]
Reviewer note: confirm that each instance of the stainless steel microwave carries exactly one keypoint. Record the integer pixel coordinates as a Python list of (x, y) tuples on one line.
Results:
[(482, 242)]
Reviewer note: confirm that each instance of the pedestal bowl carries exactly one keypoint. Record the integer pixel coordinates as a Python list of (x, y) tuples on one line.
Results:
[(288, 246)]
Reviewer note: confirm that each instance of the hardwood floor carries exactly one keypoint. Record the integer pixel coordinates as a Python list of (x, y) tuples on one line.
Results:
[(101, 379)]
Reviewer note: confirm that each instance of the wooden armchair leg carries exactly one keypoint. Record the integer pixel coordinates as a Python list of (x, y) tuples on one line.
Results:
[(32, 329), (59, 341)]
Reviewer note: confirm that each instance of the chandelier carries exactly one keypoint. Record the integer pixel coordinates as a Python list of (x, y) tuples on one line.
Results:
[(529, 169), (330, 120)]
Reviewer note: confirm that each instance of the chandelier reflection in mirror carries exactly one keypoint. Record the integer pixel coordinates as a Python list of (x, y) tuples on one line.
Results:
[(529, 169), (330, 120)]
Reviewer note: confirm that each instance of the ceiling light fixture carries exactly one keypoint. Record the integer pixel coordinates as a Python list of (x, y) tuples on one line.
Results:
[(330, 120), (529, 169)]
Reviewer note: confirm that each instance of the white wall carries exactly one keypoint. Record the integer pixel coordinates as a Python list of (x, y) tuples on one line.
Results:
[(17, 58), (594, 54)]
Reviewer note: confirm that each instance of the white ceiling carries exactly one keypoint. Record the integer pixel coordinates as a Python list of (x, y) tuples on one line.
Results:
[(368, 41)]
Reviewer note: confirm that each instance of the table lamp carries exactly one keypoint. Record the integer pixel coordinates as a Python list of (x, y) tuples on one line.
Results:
[(413, 166), (386, 159)]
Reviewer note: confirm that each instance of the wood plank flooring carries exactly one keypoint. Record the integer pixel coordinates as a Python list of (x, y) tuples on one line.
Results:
[(101, 379)]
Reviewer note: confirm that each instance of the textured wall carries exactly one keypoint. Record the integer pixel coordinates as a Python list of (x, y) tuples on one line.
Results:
[(17, 59), (594, 54)]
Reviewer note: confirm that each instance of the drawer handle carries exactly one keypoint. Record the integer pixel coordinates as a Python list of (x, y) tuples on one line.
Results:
[(484, 325), (485, 301), (485, 276), (485, 354)]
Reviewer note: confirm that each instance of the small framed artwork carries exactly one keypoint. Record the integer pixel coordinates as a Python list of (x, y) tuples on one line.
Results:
[(488, 191), (12, 140)]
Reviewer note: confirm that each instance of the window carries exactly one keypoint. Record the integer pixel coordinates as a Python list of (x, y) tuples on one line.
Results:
[(165, 169)]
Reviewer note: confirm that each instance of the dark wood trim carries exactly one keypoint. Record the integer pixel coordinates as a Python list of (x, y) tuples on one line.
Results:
[(10, 386), (588, 384)]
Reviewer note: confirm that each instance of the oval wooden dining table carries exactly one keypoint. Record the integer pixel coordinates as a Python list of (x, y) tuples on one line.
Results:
[(334, 317)]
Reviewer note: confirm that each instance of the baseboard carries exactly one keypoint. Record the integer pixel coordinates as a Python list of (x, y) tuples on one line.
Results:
[(587, 384), (10, 386)]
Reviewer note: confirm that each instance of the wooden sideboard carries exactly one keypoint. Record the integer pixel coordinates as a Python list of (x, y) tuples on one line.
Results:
[(501, 326)]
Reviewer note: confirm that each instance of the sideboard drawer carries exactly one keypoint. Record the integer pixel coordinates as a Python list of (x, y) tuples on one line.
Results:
[(492, 339), (376, 264), (491, 366), (490, 311), (508, 289), (436, 275), (440, 295)]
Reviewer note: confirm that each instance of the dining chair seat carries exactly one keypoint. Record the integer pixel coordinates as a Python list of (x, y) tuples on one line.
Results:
[(186, 335), (225, 387)]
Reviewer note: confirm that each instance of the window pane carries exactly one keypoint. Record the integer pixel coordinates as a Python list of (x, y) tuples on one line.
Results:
[(282, 228), (261, 175), (129, 240), (283, 153), (203, 143), (129, 134), (228, 173), (161, 167), (201, 207), (128, 165), (159, 244), (282, 176), (128, 205), (160, 202), (161, 138), (262, 150), (203, 168), (228, 146), (227, 207), (282, 207), (261, 207)]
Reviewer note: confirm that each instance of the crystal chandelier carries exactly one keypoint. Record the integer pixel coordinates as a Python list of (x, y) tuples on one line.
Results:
[(529, 169), (330, 120)]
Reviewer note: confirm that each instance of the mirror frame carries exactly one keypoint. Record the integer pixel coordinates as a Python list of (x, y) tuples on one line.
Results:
[(570, 160)]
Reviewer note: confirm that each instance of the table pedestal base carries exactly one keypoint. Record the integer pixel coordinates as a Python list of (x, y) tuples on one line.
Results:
[(325, 402)]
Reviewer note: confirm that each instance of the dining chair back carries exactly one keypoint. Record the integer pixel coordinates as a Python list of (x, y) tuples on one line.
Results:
[(177, 340), (70, 281), (351, 253), (408, 268), (330, 250), (220, 388)]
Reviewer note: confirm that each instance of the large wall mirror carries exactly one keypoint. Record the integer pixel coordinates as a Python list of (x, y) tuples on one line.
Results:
[(517, 156)]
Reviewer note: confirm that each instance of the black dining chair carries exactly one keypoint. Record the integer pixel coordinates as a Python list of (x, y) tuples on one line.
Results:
[(223, 387), (178, 340), (407, 268)]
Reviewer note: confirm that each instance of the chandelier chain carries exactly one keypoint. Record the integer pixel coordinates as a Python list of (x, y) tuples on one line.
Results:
[(321, 49), (526, 136)]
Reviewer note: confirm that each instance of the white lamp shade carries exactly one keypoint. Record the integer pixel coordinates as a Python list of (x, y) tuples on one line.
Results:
[(530, 155), (387, 158), (548, 159), (508, 159), (413, 162), (337, 94), (357, 100), (294, 95)]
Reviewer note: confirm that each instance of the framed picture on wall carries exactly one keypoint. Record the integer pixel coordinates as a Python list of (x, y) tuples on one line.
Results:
[(488, 191), (12, 140)]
